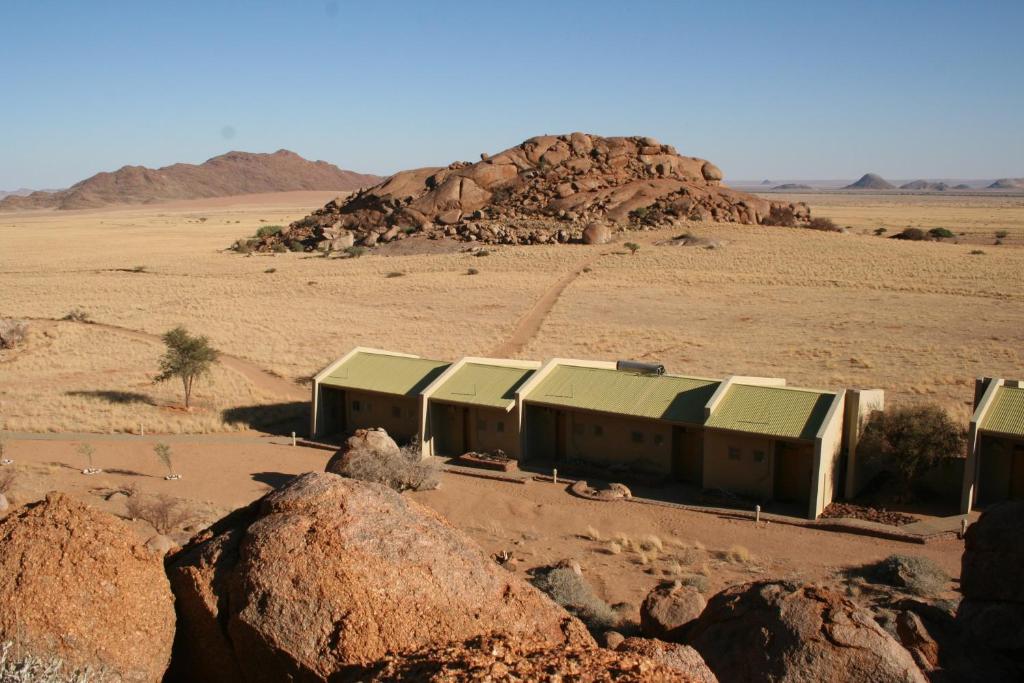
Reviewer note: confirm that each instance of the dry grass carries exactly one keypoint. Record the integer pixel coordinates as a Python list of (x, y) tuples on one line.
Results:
[(821, 309), (592, 534)]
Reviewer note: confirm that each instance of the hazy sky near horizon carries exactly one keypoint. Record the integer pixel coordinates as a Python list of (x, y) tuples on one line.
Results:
[(780, 90)]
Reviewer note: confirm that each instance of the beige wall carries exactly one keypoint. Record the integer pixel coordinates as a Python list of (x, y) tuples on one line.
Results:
[(827, 459), (490, 429), (860, 403), (746, 476), (379, 410), (995, 468)]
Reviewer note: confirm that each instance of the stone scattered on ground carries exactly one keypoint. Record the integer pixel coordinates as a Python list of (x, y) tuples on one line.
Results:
[(868, 513), (786, 633), (668, 608), (612, 491), (549, 189), (76, 584), (328, 572)]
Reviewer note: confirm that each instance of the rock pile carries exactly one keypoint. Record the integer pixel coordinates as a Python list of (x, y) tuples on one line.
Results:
[(550, 188)]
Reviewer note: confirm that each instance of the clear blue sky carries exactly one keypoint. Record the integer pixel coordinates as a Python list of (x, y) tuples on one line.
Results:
[(765, 89)]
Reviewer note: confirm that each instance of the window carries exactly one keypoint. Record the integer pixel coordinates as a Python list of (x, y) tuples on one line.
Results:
[(499, 426), (734, 453), (637, 437), (758, 456), (356, 406), (598, 430)]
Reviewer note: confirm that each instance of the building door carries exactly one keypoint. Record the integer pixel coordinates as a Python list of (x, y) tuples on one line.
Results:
[(333, 412), (561, 434), (687, 455), (1017, 473), (793, 470), (468, 442)]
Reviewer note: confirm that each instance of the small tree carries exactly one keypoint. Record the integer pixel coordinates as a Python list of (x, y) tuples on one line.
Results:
[(163, 454), (86, 451), (632, 246), (188, 358), (908, 441)]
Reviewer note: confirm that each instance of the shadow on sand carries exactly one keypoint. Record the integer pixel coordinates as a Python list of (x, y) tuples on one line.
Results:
[(114, 397), (279, 419)]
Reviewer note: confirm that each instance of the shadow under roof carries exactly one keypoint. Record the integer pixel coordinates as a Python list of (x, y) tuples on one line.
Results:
[(772, 411), (1006, 415), (660, 397), (483, 384), (385, 374)]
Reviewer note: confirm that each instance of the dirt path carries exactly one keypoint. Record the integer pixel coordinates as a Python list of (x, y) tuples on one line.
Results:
[(260, 378), (529, 325)]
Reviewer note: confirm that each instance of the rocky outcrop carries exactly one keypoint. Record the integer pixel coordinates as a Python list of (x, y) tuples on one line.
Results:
[(681, 658), (669, 607), (502, 659), (371, 442), (328, 572), (545, 190), (785, 633), (75, 584)]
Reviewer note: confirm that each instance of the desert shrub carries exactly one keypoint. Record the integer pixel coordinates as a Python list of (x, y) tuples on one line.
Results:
[(394, 274), (472, 271), (570, 590), (270, 270), (632, 246), (243, 246), (404, 471), (695, 581), (12, 333), (822, 223), (910, 440), (355, 251), (640, 213), (296, 245), (782, 216), (482, 252), (912, 234), (881, 231), (23, 668), (77, 315), (1002, 234), (737, 554), (912, 573), (268, 231), (164, 513), (941, 233), (139, 269), (279, 248), (977, 252)]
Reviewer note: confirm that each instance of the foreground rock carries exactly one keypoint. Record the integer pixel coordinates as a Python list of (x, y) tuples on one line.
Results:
[(669, 607), (371, 442), (76, 585), (328, 572), (784, 633), (681, 658), (497, 659), (991, 614), (547, 189)]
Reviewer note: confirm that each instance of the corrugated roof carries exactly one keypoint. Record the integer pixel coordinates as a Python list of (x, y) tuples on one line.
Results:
[(1006, 415), (773, 411), (482, 384), (399, 375), (664, 397)]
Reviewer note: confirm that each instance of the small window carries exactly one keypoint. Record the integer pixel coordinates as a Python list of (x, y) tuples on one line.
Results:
[(499, 426), (577, 428), (396, 411), (734, 453), (598, 430), (758, 456), (658, 439), (356, 406), (637, 437), (481, 425)]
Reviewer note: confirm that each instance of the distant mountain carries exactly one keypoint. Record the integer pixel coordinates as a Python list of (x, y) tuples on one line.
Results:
[(1007, 184), (962, 186), (20, 192), (792, 186), (233, 173), (871, 181), (925, 185)]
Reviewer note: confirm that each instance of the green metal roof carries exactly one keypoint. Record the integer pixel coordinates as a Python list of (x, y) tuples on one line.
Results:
[(1006, 414), (772, 411), (399, 375), (660, 397), (481, 384)]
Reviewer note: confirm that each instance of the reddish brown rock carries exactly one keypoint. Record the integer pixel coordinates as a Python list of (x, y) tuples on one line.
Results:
[(787, 633), (596, 233), (681, 658), (915, 637), (328, 572), (375, 442), (76, 584), (669, 607)]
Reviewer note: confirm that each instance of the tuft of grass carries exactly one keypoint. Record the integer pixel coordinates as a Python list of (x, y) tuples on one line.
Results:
[(977, 252), (270, 270), (738, 554), (697, 581), (1002, 234), (24, 668), (472, 271), (614, 548), (395, 273), (941, 233), (592, 533), (77, 315), (652, 543), (482, 252)]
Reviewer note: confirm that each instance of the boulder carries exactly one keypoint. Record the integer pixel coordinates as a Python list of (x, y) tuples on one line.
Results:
[(327, 572), (914, 636), (669, 607), (364, 441), (711, 172), (681, 658), (993, 559), (77, 585), (497, 658), (786, 633), (596, 233), (160, 545)]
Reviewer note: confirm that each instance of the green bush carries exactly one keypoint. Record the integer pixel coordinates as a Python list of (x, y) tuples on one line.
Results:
[(941, 233), (632, 246), (268, 231), (279, 248), (1002, 234), (296, 245)]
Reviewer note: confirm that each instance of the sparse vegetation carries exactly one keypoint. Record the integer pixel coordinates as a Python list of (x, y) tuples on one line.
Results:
[(20, 668), (86, 451), (482, 252), (781, 216), (268, 231), (187, 358), (737, 554), (1002, 234), (568, 588), (881, 231), (394, 274), (910, 440), (270, 270), (139, 269), (698, 582), (592, 533), (941, 233), (632, 246), (977, 252), (13, 333), (355, 251), (472, 271), (911, 234), (166, 514), (824, 224), (77, 315), (911, 573), (404, 471), (163, 454), (279, 248)]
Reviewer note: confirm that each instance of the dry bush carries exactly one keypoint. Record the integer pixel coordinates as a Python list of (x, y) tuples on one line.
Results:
[(570, 590), (592, 533), (782, 216), (912, 573), (698, 582), (824, 224), (12, 333), (614, 548), (22, 668), (164, 513), (7, 479), (651, 543), (738, 554), (404, 471), (77, 315), (912, 234)]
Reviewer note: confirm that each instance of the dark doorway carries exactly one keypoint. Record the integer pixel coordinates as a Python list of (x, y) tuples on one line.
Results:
[(332, 412), (687, 455), (793, 470)]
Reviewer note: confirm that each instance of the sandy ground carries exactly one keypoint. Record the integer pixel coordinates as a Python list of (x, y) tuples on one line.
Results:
[(538, 523)]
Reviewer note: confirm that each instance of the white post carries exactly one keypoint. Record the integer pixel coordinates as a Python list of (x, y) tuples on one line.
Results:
[(293, 438), (554, 475), (757, 514), (963, 527), (142, 429)]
